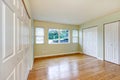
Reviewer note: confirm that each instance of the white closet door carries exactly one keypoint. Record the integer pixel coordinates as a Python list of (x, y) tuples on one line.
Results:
[(8, 53), (0, 37), (111, 42), (90, 41), (15, 30)]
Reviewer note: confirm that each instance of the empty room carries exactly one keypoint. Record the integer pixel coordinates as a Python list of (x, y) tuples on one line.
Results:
[(59, 39)]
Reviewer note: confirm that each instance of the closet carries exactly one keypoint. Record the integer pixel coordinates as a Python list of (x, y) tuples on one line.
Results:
[(15, 41), (90, 41), (112, 42)]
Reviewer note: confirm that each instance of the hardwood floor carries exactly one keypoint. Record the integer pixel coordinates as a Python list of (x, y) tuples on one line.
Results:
[(74, 67)]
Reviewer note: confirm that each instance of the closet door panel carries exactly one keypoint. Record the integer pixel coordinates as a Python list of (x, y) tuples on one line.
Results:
[(90, 41), (8, 32), (111, 42), (14, 63), (8, 46), (115, 42)]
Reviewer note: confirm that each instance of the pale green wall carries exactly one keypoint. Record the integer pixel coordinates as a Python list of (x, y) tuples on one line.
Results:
[(99, 23), (54, 49)]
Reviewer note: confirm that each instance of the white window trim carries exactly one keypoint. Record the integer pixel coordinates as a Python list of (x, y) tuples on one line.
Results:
[(40, 36), (59, 37), (75, 36)]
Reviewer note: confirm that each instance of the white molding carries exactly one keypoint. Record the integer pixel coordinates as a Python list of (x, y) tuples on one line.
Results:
[(81, 52), (27, 74), (100, 58), (56, 54), (31, 66), (94, 57)]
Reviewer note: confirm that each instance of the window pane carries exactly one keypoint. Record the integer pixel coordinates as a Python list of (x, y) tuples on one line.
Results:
[(53, 36), (75, 33), (64, 36), (39, 40), (75, 40), (39, 32)]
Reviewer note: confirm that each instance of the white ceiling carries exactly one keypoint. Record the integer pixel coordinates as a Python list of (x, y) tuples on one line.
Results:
[(72, 11)]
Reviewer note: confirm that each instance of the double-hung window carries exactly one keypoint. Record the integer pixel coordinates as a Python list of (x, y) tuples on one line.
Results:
[(75, 36), (39, 35)]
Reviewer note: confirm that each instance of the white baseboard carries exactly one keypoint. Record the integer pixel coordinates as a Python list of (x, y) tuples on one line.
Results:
[(31, 66), (56, 54), (26, 74), (95, 57), (81, 52), (100, 58)]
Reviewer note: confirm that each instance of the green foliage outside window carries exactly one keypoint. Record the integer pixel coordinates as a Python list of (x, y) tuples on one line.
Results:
[(58, 36), (53, 34)]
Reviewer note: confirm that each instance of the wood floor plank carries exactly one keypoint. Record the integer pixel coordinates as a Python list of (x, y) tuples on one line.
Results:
[(73, 67)]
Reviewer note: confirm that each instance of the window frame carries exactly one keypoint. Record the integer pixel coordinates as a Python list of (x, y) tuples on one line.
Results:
[(59, 36), (43, 36), (73, 36), (48, 35)]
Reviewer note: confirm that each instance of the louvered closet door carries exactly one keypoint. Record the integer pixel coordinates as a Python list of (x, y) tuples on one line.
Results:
[(90, 41), (111, 42)]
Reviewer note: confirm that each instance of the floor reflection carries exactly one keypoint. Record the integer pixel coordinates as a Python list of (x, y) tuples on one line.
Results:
[(74, 67), (63, 70)]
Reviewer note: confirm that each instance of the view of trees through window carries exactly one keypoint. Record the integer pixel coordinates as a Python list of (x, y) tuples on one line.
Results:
[(58, 36), (53, 36)]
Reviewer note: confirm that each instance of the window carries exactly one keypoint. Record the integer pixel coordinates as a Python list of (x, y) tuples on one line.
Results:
[(64, 36), (75, 36), (39, 34), (56, 36), (53, 36)]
